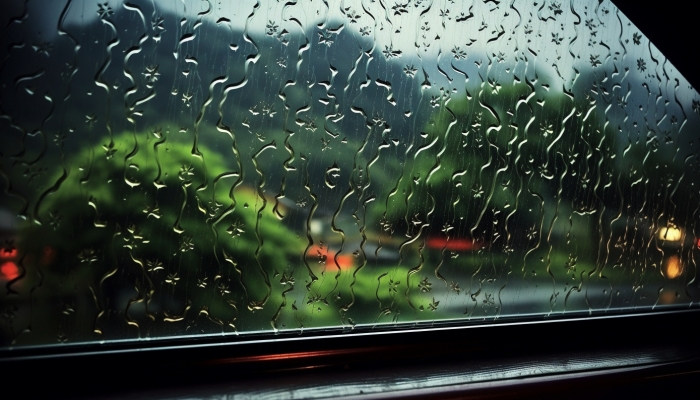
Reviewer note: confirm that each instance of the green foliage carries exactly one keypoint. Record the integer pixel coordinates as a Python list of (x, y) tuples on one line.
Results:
[(171, 218), (486, 153)]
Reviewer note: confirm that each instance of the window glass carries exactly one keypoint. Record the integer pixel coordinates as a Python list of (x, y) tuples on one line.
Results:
[(185, 168)]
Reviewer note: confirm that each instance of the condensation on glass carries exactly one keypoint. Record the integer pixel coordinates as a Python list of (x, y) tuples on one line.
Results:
[(184, 168)]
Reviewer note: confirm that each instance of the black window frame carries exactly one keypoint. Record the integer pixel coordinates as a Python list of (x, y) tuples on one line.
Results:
[(648, 353)]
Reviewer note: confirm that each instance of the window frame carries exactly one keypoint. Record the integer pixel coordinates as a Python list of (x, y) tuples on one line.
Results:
[(575, 351)]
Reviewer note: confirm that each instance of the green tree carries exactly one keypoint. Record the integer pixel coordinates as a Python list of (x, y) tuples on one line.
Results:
[(156, 227)]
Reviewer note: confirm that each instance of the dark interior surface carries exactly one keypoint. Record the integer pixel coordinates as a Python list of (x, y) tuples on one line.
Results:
[(603, 357)]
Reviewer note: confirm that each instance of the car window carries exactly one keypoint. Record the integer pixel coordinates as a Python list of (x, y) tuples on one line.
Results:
[(196, 168)]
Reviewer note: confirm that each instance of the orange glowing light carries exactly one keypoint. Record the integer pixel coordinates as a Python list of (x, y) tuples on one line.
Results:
[(329, 258), (9, 271), (8, 253), (673, 267)]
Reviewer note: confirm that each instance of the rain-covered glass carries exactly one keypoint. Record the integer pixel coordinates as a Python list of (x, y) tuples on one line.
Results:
[(192, 168)]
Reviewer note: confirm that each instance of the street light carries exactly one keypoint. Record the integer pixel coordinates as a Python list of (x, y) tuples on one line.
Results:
[(670, 233)]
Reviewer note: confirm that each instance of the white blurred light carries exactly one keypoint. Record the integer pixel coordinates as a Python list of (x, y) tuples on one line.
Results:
[(670, 233)]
